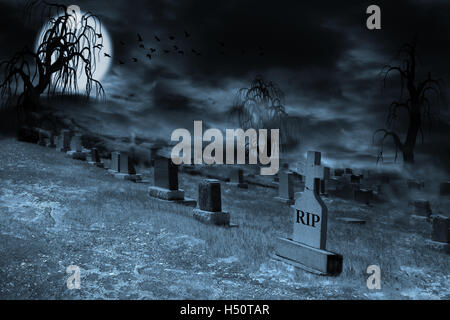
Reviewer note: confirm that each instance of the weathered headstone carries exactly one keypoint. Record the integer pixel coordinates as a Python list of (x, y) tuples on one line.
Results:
[(51, 141), (237, 178), (115, 162), (165, 180), (285, 187), (42, 137), (307, 248), (441, 229), (95, 158), (210, 204), (126, 169), (444, 189), (325, 180), (363, 196), (64, 140), (348, 171), (338, 172), (422, 208), (76, 148)]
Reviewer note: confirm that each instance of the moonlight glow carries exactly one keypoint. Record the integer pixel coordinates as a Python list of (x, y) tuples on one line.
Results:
[(102, 63)]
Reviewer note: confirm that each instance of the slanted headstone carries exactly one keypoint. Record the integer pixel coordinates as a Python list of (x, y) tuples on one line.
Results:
[(307, 248), (444, 189), (285, 187), (363, 196), (165, 179), (210, 204), (237, 178), (95, 158)]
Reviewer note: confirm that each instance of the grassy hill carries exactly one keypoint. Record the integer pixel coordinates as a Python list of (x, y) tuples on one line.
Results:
[(55, 212)]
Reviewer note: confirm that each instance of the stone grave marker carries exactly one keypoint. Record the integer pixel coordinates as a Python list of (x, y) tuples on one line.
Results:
[(115, 162), (444, 188), (51, 141), (237, 178), (440, 234), (76, 148), (325, 180), (348, 171), (95, 158), (210, 204), (42, 138), (285, 187), (422, 209), (64, 140), (338, 172), (127, 171), (363, 196), (307, 247), (165, 180)]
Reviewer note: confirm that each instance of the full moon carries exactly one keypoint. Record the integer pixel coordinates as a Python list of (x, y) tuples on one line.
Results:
[(102, 62)]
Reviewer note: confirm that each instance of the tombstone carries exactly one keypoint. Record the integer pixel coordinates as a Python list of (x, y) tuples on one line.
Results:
[(115, 162), (415, 185), (355, 178), (338, 172), (126, 169), (41, 141), (348, 171), (363, 196), (95, 158), (209, 209), (76, 149), (165, 180), (307, 248), (324, 181), (422, 209), (237, 178), (444, 189), (153, 154), (64, 140), (51, 141), (285, 187), (441, 229)]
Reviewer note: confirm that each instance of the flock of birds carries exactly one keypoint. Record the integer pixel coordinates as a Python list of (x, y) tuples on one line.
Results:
[(150, 52)]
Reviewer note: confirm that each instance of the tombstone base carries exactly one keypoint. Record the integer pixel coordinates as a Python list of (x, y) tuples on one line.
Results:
[(439, 246), (351, 220), (239, 185), (208, 217), (310, 259), (97, 164), (165, 194), (128, 176), (76, 155), (63, 149), (417, 218), (285, 201)]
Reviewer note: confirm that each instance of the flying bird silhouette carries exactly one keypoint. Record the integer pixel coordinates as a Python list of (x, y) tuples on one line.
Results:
[(152, 49), (141, 46), (139, 37), (181, 52), (175, 48), (149, 56), (121, 62), (157, 39), (172, 38), (106, 55), (134, 59), (122, 43), (166, 51), (186, 34), (222, 44)]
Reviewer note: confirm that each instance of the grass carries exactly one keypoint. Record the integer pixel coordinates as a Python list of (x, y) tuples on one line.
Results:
[(106, 216)]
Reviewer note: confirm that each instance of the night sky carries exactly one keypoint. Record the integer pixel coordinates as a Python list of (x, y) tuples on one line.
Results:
[(320, 53)]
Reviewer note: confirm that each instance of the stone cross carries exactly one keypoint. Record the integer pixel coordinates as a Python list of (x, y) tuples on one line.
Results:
[(310, 212)]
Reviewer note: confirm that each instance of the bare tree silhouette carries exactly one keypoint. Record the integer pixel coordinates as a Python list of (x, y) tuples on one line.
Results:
[(69, 45), (417, 104), (261, 107)]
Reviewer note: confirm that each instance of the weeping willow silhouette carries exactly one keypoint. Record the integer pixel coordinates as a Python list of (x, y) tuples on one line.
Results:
[(70, 45)]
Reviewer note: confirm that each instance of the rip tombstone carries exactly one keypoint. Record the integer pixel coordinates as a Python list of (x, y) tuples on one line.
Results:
[(165, 180), (307, 247)]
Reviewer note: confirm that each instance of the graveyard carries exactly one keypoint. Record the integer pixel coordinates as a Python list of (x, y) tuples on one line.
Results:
[(57, 211), (241, 150)]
